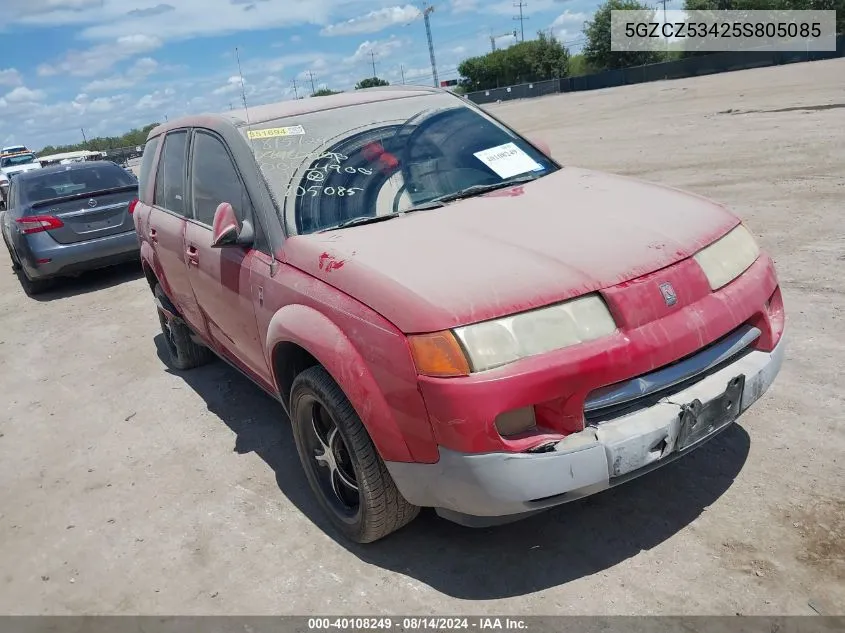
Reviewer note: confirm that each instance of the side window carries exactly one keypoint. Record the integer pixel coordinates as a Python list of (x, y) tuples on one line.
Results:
[(146, 165), (214, 179), (170, 177)]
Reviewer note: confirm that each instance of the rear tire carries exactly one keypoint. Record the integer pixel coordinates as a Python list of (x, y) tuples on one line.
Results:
[(16, 265), (183, 352), (32, 287), (341, 462)]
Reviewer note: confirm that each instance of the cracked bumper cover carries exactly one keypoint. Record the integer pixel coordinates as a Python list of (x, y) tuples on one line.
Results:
[(489, 488)]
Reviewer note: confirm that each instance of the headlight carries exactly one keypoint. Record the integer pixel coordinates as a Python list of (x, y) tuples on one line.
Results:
[(728, 257), (495, 343)]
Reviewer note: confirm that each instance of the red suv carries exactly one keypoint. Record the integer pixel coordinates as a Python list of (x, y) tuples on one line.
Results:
[(450, 318)]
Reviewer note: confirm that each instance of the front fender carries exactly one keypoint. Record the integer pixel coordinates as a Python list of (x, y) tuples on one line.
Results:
[(326, 342)]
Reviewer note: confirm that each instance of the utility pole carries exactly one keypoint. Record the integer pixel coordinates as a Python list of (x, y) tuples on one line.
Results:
[(243, 88), (429, 9), (663, 2), (521, 17), (295, 89), (313, 89), (402, 70), (84, 140), (373, 57)]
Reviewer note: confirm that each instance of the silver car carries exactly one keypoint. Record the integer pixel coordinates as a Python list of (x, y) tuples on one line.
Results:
[(67, 219)]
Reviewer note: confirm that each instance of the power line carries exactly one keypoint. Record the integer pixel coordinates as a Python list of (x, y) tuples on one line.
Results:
[(521, 17), (311, 75)]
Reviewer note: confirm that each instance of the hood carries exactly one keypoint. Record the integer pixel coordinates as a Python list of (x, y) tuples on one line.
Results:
[(17, 169), (569, 233)]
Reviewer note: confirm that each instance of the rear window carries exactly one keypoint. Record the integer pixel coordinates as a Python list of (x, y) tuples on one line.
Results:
[(146, 166), (74, 181)]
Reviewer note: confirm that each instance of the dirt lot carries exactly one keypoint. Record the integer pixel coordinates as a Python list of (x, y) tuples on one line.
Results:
[(131, 489)]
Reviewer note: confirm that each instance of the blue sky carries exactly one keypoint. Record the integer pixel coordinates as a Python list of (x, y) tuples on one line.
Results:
[(110, 65)]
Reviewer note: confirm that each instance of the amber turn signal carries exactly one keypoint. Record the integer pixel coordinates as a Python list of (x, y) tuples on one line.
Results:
[(439, 355)]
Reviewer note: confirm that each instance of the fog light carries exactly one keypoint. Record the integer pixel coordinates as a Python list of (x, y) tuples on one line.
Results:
[(516, 421)]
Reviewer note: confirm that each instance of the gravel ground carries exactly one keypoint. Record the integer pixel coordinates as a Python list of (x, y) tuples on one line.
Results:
[(130, 489)]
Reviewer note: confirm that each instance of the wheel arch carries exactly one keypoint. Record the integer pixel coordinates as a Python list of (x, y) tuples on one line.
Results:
[(300, 337)]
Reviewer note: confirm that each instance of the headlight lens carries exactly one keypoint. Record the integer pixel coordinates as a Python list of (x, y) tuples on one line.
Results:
[(728, 257), (495, 343)]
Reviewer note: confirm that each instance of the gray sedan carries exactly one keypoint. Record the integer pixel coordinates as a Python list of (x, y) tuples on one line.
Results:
[(67, 219)]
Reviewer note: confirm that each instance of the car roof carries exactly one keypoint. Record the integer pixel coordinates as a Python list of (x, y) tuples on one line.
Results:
[(52, 169), (257, 115)]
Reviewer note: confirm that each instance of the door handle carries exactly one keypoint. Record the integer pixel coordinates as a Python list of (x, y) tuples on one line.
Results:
[(153, 235), (193, 255)]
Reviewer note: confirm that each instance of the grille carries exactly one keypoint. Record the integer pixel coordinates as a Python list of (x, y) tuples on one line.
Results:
[(646, 390)]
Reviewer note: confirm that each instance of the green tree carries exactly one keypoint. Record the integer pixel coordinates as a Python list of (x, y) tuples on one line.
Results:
[(597, 51), (132, 138), (535, 60), (371, 82), (325, 92), (578, 66)]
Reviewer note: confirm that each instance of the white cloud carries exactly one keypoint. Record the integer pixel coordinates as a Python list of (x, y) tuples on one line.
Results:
[(155, 100), (100, 58), (141, 69), (382, 49), (22, 9), (196, 18), (464, 6), (22, 94), (374, 21), (568, 18), (109, 84), (10, 77), (232, 86)]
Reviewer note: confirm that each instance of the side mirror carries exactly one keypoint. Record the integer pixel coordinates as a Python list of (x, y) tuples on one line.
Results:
[(226, 229), (542, 146)]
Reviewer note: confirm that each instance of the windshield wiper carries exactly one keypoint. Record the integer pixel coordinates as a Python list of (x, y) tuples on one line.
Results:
[(469, 192), (358, 221), (434, 203)]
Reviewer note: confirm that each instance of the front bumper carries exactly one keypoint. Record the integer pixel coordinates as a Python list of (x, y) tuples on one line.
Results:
[(70, 259), (490, 488)]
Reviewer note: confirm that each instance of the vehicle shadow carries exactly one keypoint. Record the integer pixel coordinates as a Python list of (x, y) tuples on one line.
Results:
[(547, 550), (92, 281)]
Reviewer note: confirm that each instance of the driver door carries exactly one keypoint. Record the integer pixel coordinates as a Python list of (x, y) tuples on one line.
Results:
[(222, 278)]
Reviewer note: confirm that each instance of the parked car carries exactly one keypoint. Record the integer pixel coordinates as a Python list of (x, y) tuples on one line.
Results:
[(450, 318), (12, 165), (67, 219)]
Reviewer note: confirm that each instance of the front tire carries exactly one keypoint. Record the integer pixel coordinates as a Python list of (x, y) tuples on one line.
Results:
[(341, 463), (183, 352)]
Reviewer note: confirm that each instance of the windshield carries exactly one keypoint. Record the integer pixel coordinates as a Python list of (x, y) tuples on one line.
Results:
[(50, 184), (376, 159), (20, 159)]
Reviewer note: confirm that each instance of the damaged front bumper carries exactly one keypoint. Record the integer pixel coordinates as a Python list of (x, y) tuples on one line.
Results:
[(490, 488)]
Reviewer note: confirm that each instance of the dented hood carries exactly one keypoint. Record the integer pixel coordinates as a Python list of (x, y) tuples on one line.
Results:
[(566, 234)]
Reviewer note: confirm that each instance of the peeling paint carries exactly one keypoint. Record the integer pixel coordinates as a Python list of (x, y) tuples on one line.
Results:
[(329, 263)]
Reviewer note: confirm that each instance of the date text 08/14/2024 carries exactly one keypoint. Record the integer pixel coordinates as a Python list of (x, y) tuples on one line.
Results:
[(416, 623)]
